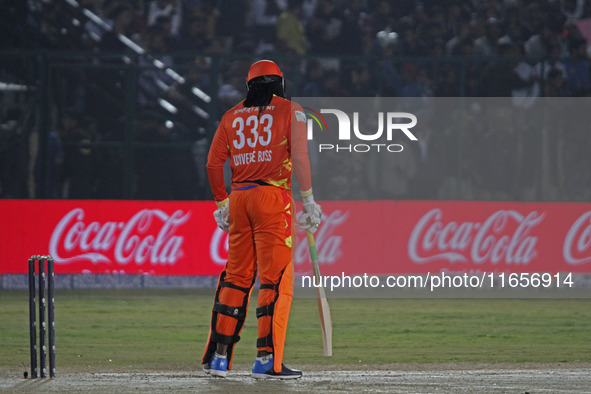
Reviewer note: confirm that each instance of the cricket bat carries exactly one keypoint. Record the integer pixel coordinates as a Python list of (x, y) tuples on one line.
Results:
[(323, 308)]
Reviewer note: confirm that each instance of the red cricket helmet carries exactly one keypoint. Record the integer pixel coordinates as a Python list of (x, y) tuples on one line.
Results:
[(263, 67)]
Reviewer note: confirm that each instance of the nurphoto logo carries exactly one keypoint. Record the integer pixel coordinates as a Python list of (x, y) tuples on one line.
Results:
[(388, 123)]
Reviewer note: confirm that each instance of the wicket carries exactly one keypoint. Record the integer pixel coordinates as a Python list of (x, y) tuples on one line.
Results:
[(50, 316)]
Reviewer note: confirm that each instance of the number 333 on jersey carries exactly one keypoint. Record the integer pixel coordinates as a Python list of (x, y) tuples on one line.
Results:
[(251, 125), (259, 142)]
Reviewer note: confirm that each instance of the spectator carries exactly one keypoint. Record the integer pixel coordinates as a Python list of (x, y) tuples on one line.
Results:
[(436, 27), (411, 43), (153, 162), (586, 10), (486, 45), (325, 28), (362, 80), (121, 17), (290, 30), (232, 22), (154, 82), (197, 77), (208, 15), (555, 85), (352, 34), (414, 81), (208, 12), (464, 34), (532, 20), (231, 91), (578, 69), (512, 34), (538, 45), (314, 78), (14, 153), (80, 158), (553, 62), (572, 9), (264, 15), (17, 26), (499, 77), (110, 158), (195, 36), (455, 18), (49, 174), (172, 9), (389, 74), (332, 85), (110, 81)]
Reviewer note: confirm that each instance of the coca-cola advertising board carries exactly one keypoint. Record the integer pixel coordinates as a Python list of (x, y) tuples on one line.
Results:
[(356, 237)]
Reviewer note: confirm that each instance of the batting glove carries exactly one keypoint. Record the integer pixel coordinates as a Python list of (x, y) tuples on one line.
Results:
[(311, 217), (222, 215)]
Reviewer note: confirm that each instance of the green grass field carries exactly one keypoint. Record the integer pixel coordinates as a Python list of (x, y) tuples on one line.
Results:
[(167, 328)]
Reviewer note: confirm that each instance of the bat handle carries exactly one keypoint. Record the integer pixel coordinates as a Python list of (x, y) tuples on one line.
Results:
[(313, 255), (312, 246)]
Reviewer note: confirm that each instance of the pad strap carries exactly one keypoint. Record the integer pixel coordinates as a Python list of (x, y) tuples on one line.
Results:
[(266, 310), (265, 341), (232, 311), (224, 339), (270, 286), (233, 286)]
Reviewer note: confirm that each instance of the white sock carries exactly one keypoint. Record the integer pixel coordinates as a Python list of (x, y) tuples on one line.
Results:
[(265, 359), (217, 355)]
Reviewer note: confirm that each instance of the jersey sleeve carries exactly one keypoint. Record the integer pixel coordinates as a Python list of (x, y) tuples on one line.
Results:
[(218, 154), (299, 147)]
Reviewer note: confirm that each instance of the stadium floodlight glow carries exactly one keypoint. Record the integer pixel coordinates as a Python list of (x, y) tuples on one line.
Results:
[(12, 87), (174, 75), (107, 26), (96, 19), (200, 112), (73, 3), (168, 106), (201, 94), (94, 36), (131, 45), (161, 84)]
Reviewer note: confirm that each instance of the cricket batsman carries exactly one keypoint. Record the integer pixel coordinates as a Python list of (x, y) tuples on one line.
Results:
[(258, 214)]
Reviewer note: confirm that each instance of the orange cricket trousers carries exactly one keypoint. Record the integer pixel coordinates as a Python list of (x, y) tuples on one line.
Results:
[(260, 240)]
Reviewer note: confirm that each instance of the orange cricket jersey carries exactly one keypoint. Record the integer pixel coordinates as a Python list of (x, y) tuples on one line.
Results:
[(259, 144)]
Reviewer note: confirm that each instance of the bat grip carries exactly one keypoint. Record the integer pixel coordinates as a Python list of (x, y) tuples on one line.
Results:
[(312, 246), (313, 255)]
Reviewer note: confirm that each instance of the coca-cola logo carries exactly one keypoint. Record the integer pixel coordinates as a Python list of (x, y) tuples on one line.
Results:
[(219, 246), (578, 241), (148, 236), (328, 243), (492, 240)]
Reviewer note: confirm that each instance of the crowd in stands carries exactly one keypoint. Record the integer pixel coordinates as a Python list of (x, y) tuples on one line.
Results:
[(372, 29), (353, 48)]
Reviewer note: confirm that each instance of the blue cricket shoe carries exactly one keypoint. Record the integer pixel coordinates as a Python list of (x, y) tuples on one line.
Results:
[(217, 366), (263, 369)]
